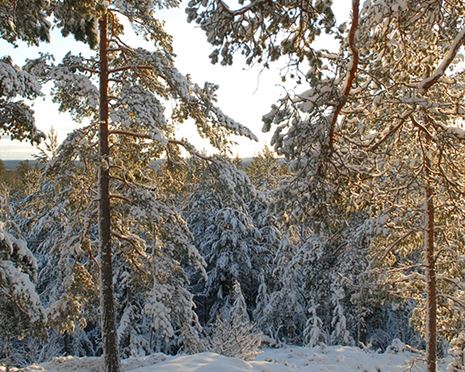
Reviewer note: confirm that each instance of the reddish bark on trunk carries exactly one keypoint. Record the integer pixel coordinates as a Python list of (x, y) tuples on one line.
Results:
[(431, 310), (109, 336)]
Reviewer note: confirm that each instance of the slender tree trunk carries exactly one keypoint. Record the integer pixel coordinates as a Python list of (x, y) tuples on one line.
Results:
[(67, 344), (109, 336), (431, 311)]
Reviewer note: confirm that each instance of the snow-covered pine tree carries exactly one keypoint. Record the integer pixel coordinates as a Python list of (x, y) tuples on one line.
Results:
[(311, 201), (233, 232), (313, 334), (266, 171), (304, 274), (20, 307), (21, 311), (263, 30), (383, 161), (151, 244), (340, 334), (232, 333), (457, 351), (20, 21), (353, 128), (16, 117), (262, 299), (406, 127), (283, 315)]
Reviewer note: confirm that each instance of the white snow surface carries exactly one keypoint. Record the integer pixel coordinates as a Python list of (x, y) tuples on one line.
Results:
[(288, 358)]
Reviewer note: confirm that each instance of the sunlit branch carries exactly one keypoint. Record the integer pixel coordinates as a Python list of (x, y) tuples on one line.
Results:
[(128, 240), (425, 84), (126, 68), (190, 149), (129, 134), (120, 197), (453, 299), (92, 71), (394, 245), (391, 131), (125, 182)]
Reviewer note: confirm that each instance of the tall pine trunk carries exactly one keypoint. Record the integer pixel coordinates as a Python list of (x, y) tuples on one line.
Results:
[(431, 306), (109, 336)]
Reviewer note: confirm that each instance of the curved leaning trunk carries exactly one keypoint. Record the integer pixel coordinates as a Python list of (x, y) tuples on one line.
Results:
[(109, 336)]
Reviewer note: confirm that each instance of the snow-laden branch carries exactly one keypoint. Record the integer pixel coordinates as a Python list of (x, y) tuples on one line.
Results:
[(182, 143), (129, 134), (126, 68), (426, 83), (240, 11), (190, 149), (351, 74)]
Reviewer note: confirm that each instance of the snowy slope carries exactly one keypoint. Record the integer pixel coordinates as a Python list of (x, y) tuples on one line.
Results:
[(328, 359)]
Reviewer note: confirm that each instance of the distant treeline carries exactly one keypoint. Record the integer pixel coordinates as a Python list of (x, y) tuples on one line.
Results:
[(14, 173), (12, 165)]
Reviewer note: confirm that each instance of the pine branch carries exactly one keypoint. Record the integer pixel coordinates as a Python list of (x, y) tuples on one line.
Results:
[(240, 11), (120, 197), (129, 134), (127, 68), (190, 149), (427, 83)]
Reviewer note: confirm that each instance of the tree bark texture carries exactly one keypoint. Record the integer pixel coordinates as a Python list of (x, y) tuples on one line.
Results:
[(107, 304), (431, 306)]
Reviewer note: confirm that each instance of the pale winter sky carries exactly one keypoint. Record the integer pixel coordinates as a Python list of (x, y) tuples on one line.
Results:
[(245, 93)]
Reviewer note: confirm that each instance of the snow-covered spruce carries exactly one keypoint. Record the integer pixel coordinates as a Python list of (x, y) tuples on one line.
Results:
[(234, 233), (21, 311)]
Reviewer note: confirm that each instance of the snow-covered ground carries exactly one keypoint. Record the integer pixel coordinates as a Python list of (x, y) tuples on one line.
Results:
[(289, 358)]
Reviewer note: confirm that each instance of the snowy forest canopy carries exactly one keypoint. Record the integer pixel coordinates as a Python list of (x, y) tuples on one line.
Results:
[(127, 240)]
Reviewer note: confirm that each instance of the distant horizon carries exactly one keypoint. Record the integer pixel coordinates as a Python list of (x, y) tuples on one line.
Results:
[(12, 164)]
